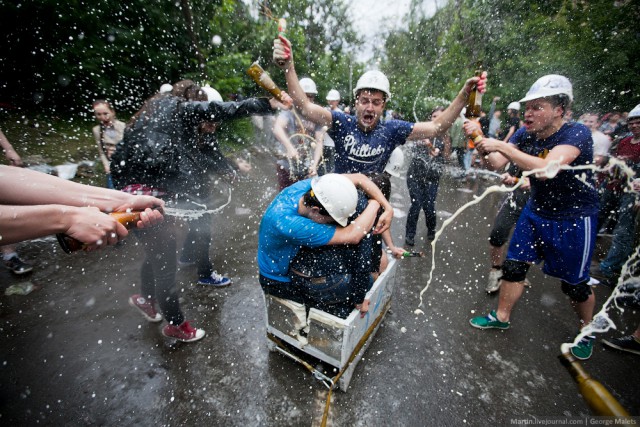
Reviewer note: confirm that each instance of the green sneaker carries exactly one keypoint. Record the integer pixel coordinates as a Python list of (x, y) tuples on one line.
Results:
[(490, 321), (584, 349)]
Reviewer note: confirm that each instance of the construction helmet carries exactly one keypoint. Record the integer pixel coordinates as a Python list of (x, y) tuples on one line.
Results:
[(337, 194), (166, 88), (635, 113), (212, 94), (514, 106), (308, 86), (333, 95), (373, 80), (395, 163), (549, 85)]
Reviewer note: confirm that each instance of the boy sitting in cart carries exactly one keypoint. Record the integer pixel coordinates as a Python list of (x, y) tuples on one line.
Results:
[(314, 213)]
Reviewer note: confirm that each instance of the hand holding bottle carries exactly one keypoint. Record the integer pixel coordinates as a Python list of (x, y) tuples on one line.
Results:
[(478, 83), (282, 54), (92, 229)]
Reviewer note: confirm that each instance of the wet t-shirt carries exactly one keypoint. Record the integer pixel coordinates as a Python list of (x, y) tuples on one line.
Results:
[(283, 231), (358, 151), (571, 193)]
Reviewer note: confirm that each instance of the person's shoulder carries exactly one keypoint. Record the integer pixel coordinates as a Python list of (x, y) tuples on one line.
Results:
[(576, 129)]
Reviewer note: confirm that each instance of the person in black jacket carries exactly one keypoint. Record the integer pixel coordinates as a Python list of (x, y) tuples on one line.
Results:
[(161, 154)]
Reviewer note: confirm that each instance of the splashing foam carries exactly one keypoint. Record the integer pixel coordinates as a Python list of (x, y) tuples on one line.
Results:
[(192, 214), (601, 321)]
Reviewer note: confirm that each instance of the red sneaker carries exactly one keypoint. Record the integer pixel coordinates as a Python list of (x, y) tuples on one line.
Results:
[(146, 307), (184, 332)]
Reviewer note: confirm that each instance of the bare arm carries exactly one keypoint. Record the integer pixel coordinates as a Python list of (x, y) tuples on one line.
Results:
[(443, 122), (388, 240), (317, 152), (512, 130), (359, 228), (280, 133), (27, 187), (372, 190), (562, 154), (11, 154), (283, 57)]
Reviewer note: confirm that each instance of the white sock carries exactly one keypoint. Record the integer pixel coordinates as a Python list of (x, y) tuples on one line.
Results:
[(7, 257)]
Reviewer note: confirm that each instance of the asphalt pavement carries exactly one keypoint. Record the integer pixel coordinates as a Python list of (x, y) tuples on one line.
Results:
[(73, 352)]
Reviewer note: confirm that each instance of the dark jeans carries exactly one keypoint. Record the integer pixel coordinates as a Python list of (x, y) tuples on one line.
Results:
[(328, 162), (423, 197), (623, 236), (158, 275), (335, 294), (197, 244), (609, 204), (507, 216)]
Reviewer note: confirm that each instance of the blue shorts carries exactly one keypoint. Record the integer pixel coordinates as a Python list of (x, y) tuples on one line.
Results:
[(565, 245)]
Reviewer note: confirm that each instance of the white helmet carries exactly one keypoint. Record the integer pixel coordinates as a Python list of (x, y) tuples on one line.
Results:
[(212, 94), (549, 85), (514, 106), (635, 113), (165, 88), (337, 194), (373, 80), (395, 163), (333, 95), (308, 86)]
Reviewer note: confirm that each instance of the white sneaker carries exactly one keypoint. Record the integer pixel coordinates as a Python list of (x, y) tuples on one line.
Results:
[(493, 284)]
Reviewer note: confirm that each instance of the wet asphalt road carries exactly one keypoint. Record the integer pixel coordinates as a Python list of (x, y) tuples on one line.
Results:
[(74, 353)]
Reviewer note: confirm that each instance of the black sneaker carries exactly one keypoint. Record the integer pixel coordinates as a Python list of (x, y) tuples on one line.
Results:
[(628, 343), (17, 266), (409, 241)]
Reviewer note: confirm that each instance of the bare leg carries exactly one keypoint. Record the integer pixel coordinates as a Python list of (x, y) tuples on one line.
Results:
[(510, 293), (496, 255), (584, 309)]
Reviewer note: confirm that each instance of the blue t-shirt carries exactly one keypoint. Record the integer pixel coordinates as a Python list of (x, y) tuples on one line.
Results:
[(283, 231), (365, 152), (571, 193)]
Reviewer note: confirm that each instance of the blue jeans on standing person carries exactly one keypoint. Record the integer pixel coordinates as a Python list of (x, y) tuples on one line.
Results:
[(623, 236), (467, 159), (423, 197)]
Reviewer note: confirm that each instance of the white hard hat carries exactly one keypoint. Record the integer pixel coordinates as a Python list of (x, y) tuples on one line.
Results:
[(514, 106), (549, 85), (308, 86), (373, 80), (395, 163), (333, 95), (166, 88), (337, 194), (635, 113), (212, 94)]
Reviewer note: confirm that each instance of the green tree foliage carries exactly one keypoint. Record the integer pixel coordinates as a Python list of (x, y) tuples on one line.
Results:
[(594, 43)]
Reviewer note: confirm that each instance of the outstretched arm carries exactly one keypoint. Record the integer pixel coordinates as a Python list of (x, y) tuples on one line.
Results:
[(9, 152), (283, 57), (33, 204), (443, 122)]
